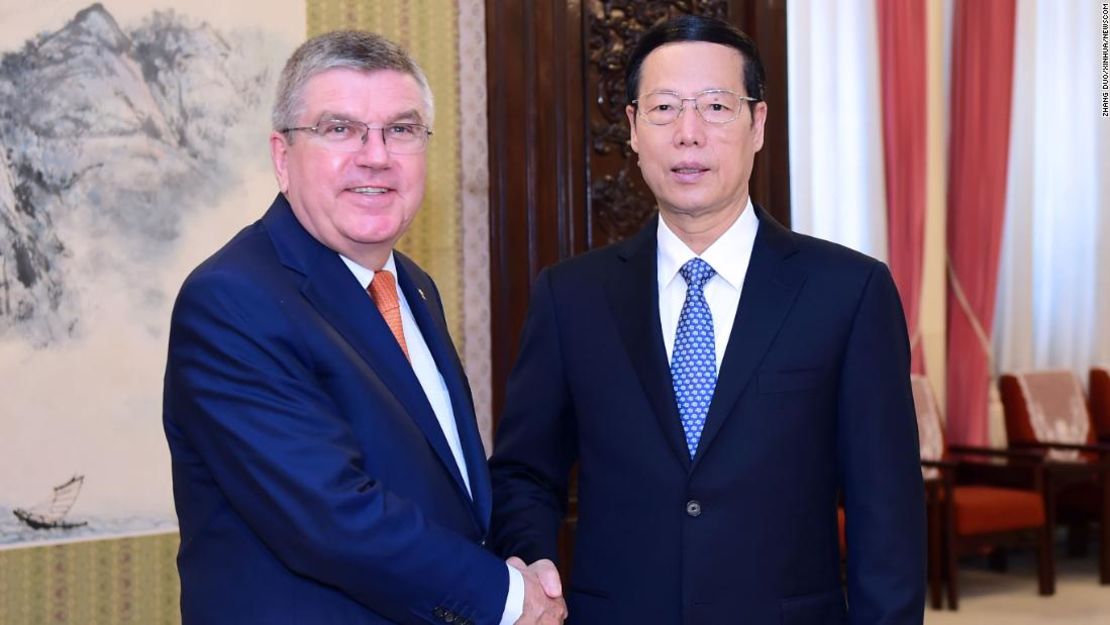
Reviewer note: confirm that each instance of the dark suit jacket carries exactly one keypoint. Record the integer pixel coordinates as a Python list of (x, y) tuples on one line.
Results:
[(312, 481), (813, 399)]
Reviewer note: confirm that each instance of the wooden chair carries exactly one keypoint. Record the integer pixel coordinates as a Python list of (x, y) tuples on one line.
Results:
[(1098, 390), (1045, 411), (978, 499)]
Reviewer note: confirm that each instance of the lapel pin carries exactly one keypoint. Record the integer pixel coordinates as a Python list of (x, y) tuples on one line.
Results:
[(422, 296)]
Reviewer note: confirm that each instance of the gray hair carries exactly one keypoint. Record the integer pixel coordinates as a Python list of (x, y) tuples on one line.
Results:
[(341, 49)]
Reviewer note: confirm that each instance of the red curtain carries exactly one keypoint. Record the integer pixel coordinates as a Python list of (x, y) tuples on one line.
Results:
[(982, 80), (902, 54)]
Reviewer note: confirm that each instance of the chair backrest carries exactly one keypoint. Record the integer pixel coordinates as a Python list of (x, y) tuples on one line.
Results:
[(930, 427), (1046, 407), (1099, 390)]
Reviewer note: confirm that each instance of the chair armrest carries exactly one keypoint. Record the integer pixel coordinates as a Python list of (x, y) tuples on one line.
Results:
[(1028, 455), (1103, 450), (1020, 475), (1027, 475)]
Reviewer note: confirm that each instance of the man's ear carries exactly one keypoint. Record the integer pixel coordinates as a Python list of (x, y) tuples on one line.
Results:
[(632, 139), (759, 121), (279, 153)]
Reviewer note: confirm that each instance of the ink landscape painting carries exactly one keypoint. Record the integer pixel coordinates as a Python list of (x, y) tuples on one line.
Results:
[(134, 143)]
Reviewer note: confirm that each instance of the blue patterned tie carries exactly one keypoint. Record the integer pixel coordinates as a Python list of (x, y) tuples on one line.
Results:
[(694, 360)]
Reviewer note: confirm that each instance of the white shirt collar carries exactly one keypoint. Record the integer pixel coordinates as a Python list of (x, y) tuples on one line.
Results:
[(728, 255), (364, 275)]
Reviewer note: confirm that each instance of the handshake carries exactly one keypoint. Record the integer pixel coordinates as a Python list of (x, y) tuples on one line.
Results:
[(543, 592)]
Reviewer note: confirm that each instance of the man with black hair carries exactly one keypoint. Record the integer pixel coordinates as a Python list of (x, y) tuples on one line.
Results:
[(721, 382)]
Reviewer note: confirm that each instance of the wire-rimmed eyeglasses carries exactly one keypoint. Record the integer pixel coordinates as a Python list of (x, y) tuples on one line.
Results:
[(349, 136), (715, 106)]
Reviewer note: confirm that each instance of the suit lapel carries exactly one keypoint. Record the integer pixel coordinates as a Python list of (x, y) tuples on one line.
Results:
[(633, 293), (770, 288), (426, 308), (335, 293)]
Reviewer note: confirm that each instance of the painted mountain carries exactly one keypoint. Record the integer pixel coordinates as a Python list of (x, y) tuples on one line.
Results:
[(110, 139)]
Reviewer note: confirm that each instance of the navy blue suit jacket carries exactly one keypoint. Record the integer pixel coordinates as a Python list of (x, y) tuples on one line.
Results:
[(813, 399), (312, 481)]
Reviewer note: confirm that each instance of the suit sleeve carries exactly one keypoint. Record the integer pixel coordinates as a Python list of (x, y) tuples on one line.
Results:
[(880, 464), (536, 440), (243, 393)]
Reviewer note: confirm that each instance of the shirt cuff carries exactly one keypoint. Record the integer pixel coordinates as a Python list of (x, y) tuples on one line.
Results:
[(514, 601)]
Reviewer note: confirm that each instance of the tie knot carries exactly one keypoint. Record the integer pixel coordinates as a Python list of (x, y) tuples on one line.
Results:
[(383, 290), (696, 272)]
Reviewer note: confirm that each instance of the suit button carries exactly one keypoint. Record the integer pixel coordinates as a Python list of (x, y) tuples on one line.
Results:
[(693, 508), (482, 542)]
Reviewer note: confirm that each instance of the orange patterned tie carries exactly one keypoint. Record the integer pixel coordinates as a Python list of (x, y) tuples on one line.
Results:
[(383, 290)]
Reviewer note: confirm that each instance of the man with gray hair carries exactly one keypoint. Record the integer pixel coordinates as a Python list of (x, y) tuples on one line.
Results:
[(327, 465)]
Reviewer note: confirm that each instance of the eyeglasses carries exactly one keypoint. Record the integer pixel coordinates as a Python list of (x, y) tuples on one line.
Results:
[(715, 106), (349, 136)]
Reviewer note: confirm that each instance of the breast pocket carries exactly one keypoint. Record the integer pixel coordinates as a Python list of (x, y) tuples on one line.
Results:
[(790, 381)]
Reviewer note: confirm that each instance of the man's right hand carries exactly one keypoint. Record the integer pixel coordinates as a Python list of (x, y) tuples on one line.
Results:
[(543, 593)]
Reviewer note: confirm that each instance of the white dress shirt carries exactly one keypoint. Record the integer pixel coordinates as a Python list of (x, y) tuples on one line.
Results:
[(729, 256), (435, 389)]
